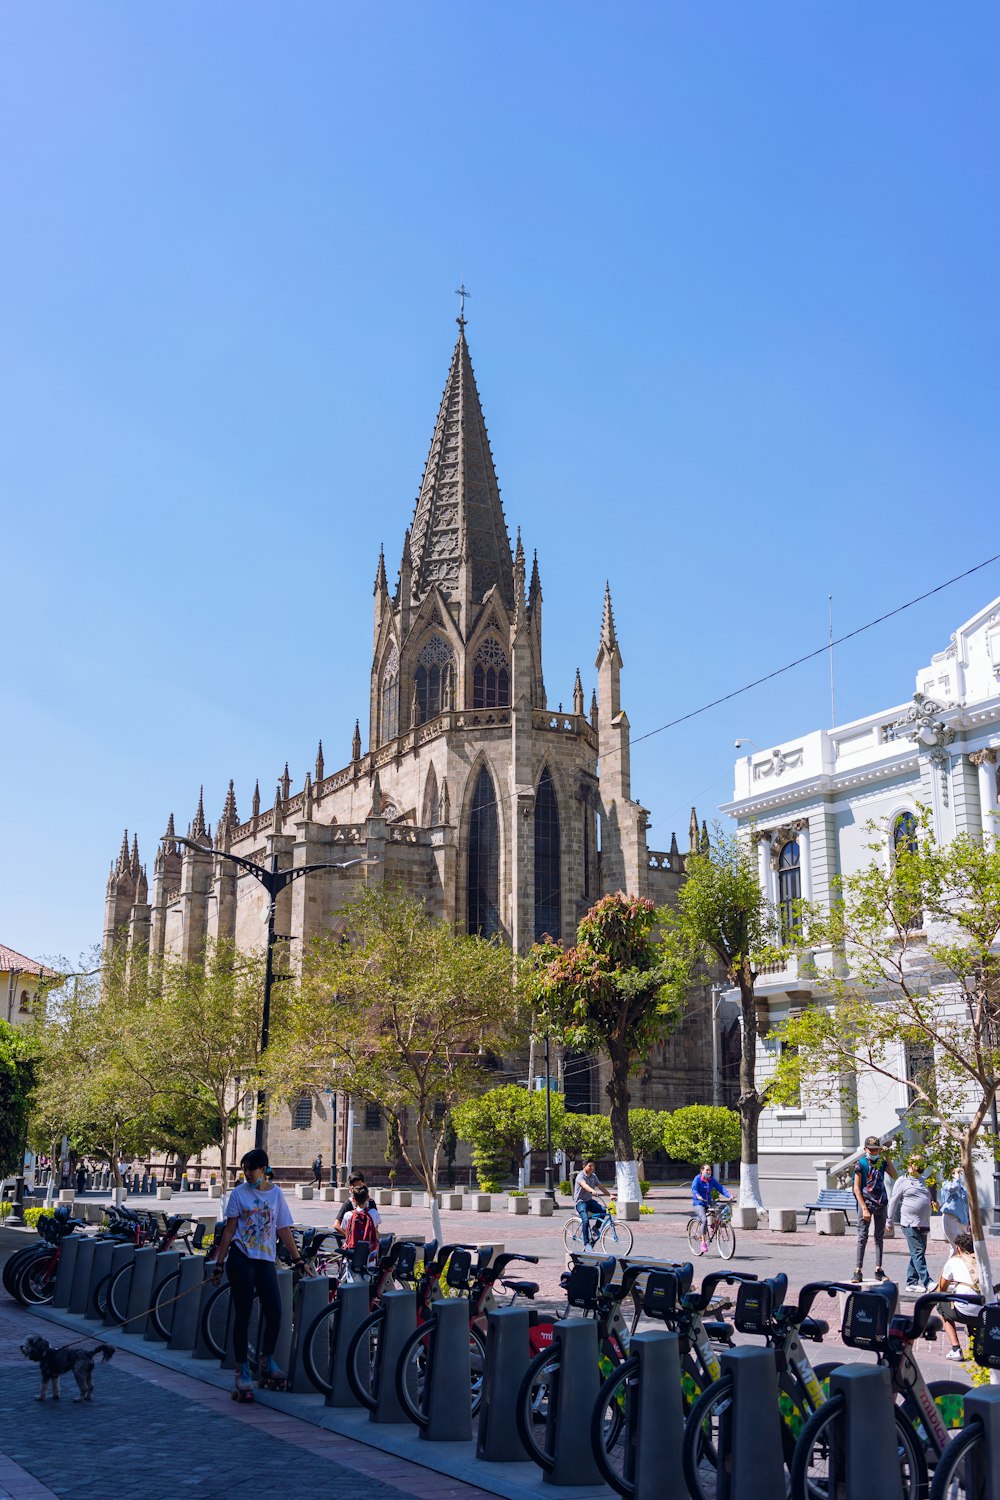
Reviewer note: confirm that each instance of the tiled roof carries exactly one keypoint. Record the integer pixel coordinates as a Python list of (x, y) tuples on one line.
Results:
[(10, 959)]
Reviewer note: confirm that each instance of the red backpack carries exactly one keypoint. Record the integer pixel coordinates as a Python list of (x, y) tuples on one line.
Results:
[(361, 1227)]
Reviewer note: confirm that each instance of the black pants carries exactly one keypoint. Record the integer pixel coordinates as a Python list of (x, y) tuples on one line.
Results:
[(247, 1277)]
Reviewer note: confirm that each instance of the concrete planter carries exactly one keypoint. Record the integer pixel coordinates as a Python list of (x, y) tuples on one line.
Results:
[(66, 1195), (542, 1207), (745, 1218), (784, 1220), (215, 1189), (431, 1198), (830, 1221), (627, 1211), (164, 1193), (402, 1198), (452, 1201), (518, 1205), (478, 1203), (328, 1194), (303, 1190), (383, 1197)]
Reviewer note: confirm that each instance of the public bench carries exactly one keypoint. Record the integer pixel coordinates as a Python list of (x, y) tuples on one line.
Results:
[(832, 1198)]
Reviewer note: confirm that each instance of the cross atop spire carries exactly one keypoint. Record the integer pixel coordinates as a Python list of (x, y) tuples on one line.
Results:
[(462, 293)]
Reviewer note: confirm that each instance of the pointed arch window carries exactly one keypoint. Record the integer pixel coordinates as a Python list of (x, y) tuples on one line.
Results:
[(483, 882), (904, 835), (789, 887), (434, 678), (389, 697), (904, 845), (548, 891), (491, 676)]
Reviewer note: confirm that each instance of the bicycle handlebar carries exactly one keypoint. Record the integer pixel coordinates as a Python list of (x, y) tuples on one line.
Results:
[(698, 1301), (914, 1326)]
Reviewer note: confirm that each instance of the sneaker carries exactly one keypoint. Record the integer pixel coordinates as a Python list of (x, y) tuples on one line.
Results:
[(879, 1274), (928, 1284), (913, 1287), (704, 1249), (858, 1277), (955, 1354)]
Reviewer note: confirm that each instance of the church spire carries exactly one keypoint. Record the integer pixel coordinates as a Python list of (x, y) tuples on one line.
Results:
[(381, 582), (608, 637), (520, 604), (124, 859), (578, 695), (459, 534), (134, 865), (356, 742), (319, 763), (693, 831), (535, 587), (198, 829)]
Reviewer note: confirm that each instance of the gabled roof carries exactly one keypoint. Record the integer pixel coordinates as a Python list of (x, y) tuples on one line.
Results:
[(459, 521), (10, 959)]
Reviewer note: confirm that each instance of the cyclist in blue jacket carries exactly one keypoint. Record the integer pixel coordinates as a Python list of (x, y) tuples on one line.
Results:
[(704, 1186)]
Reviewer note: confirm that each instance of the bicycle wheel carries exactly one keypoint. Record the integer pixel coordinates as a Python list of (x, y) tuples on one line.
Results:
[(411, 1371), (532, 1407), (961, 1471), (695, 1236), (362, 1359), (215, 1321), (573, 1235), (811, 1478), (99, 1301), (16, 1264), (317, 1348), (161, 1314), (119, 1287), (613, 1427), (725, 1240), (36, 1284), (700, 1449), (615, 1238)]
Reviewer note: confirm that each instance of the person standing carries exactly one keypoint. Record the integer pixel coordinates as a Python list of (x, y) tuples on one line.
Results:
[(872, 1197), (586, 1192), (912, 1201), (318, 1171), (257, 1216), (356, 1180), (955, 1206), (704, 1187)]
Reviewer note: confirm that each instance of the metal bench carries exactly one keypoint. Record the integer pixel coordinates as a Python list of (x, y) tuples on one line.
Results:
[(841, 1198)]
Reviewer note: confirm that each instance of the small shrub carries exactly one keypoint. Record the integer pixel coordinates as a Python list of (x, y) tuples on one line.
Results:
[(516, 1193), (644, 1208), (487, 1185), (565, 1187), (644, 1185), (5, 1208), (32, 1215)]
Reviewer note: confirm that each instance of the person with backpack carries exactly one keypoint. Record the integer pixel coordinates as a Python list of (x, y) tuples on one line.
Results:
[(318, 1171), (361, 1221), (356, 1179), (959, 1273), (873, 1202)]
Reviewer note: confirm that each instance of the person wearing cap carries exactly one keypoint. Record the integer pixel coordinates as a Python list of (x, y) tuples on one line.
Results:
[(873, 1202)]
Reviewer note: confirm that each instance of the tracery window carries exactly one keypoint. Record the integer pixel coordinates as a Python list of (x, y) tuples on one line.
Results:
[(483, 881), (490, 676), (548, 889), (434, 678), (389, 698), (789, 887)]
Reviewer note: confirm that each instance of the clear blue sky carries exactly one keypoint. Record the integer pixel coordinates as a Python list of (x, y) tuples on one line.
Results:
[(734, 318)]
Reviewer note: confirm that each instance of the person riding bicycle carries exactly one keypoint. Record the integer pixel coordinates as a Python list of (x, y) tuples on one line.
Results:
[(703, 1189), (586, 1190)]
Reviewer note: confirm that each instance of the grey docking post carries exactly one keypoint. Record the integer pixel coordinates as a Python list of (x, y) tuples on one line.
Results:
[(184, 1322), (984, 1405), (100, 1267), (283, 1351), (751, 1462), (141, 1291), (864, 1454), (572, 1394), (123, 1256), (400, 1310), (81, 1276), (657, 1418), (352, 1310), (507, 1354), (449, 1375), (64, 1271), (201, 1348), (311, 1296), (164, 1266)]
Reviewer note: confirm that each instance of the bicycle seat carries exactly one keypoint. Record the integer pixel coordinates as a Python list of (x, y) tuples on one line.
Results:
[(720, 1331), (814, 1328), (523, 1288), (934, 1326)]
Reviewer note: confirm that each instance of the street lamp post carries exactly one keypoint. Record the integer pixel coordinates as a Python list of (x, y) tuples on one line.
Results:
[(550, 1181), (274, 882)]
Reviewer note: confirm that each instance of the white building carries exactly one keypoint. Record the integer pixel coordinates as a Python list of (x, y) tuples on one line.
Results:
[(19, 981), (808, 804)]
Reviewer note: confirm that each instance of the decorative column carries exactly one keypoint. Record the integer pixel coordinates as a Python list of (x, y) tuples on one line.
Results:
[(985, 762), (763, 842), (805, 860)]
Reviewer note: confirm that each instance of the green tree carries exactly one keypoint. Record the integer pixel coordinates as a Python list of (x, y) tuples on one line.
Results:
[(497, 1124), (586, 1137), (723, 917), (700, 1133), (917, 972), (18, 1077), (406, 1014), (646, 1126), (617, 990)]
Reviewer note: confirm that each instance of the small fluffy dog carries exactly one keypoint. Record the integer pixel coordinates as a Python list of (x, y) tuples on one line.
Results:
[(56, 1362)]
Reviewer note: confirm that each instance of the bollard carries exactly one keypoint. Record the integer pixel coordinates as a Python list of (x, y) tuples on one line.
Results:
[(864, 1452), (100, 1267), (166, 1264), (984, 1406), (400, 1310), (64, 1271), (448, 1381), (201, 1349), (184, 1314), (81, 1276), (352, 1309), (572, 1395), (311, 1296), (507, 1352), (656, 1419), (751, 1462), (123, 1256), (141, 1290)]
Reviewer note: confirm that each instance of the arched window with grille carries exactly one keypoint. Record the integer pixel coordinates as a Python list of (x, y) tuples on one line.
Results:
[(904, 845), (483, 881), (302, 1114), (490, 676), (434, 678), (789, 886), (904, 835), (548, 890), (389, 697)]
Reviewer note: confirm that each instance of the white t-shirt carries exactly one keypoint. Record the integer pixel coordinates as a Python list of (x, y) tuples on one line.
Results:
[(260, 1216), (962, 1276)]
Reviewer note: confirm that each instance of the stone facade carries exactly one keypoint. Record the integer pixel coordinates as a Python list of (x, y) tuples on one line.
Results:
[(504, 815)]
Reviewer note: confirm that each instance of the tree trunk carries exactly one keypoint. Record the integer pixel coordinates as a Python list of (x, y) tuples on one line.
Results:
[(749, 1101), (626, 1166), (978, 1232)]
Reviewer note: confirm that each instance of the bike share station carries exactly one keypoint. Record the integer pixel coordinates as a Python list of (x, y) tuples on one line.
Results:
[(749, 1446)]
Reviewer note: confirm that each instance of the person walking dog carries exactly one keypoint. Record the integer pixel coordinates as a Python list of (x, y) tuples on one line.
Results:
[(257, 1216), (872, 1196)]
